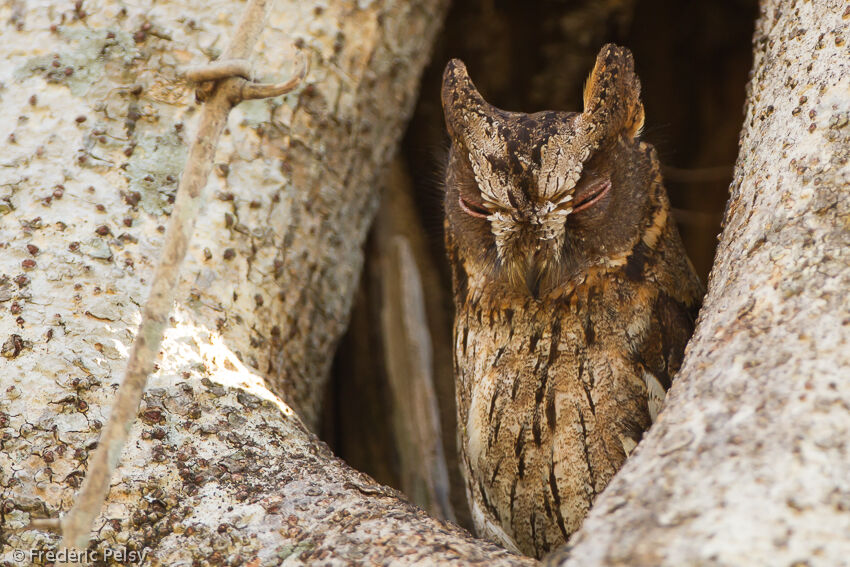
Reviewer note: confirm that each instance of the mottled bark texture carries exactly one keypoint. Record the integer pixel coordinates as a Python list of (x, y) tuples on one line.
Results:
[(748, 463), (95, 119)]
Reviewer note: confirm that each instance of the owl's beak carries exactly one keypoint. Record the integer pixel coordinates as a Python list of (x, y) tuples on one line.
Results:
[(533, 276)]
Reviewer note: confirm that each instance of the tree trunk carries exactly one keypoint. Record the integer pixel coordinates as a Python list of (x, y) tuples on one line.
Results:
[(748, 464), (219, 469)]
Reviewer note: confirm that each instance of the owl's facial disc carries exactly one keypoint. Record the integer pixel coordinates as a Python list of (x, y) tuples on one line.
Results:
[(535, 248), (530, 195)]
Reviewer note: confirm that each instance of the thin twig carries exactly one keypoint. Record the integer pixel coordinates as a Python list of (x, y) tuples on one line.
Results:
[(221, 69), (266, 90), (44, 524), (77, 523)]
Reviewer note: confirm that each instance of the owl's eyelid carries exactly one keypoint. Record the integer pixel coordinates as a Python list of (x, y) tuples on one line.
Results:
[(599, 190), (472, 209)]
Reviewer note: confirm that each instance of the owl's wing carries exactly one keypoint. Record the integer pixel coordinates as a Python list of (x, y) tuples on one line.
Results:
[(655, 392), (672, 326), (488, 528)]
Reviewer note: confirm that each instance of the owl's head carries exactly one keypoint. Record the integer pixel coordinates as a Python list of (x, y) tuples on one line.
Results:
[(532, 200)]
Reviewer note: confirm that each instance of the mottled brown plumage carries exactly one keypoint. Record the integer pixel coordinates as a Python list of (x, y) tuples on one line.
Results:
[(574, 299)]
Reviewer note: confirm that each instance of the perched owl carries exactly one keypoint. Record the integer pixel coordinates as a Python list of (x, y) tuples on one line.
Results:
[(574, 299)]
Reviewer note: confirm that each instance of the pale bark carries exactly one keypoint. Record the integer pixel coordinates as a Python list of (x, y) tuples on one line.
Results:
[(748, 464), (222, 95), (95, 119)]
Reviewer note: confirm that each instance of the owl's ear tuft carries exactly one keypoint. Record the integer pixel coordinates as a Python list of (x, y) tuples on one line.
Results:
[(612, 93), (460, 99)]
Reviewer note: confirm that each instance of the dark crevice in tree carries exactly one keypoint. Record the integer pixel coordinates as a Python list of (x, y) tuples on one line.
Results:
[(357, 421)]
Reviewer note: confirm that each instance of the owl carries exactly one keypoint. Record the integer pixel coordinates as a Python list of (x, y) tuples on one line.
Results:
[(574, 299)]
